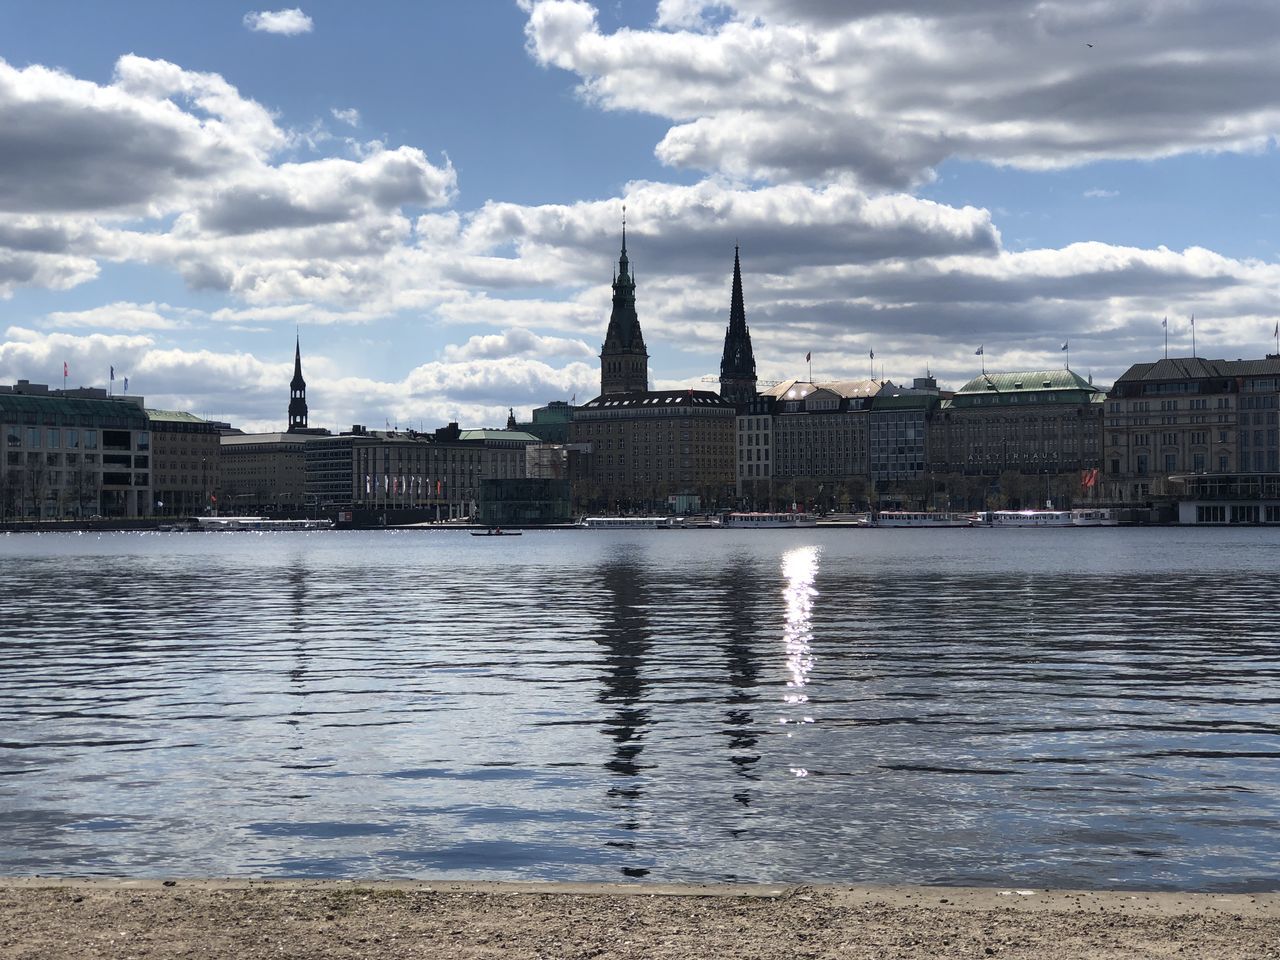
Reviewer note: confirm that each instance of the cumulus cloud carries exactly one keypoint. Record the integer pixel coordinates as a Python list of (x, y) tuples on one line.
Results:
[(123, 315), (350, 116), (518, 343), (289, 23), (883, 92)]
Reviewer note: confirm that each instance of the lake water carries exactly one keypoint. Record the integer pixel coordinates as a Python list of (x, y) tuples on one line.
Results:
[(1079, 708)]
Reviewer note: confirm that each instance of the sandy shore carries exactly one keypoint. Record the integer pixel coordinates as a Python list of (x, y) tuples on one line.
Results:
[(248, 919)]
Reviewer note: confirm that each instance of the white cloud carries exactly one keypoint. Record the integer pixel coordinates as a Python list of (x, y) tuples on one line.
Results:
[(349, 116), (518, 343), (121, 315), (883, 92), (1099, 194), (286, 22)]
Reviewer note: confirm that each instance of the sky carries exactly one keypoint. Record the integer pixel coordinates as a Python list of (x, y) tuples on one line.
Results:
[(429, 195)]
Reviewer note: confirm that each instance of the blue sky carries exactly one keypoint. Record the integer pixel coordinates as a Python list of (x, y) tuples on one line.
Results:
[(430, 193)]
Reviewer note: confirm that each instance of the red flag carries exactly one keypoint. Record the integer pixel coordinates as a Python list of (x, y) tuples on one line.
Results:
[(64, 368)]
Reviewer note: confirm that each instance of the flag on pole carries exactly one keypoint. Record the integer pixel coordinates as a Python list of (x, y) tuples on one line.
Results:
[(808, 357), (1276, 331), (126, 384), (1066, 344), (1193, 319), (978, 352), (113, 374), (64, 369), (873, 354), (1165, 323)]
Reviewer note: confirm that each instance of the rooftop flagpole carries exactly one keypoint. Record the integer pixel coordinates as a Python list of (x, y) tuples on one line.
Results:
[(1193, 335), (1165, 323)]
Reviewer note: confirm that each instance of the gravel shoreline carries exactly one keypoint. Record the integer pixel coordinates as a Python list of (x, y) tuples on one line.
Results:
[(49, 918)]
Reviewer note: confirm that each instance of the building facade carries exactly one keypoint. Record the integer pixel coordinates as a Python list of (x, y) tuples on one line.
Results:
[(1185, 417), (73, 453), (805, 444), (1022, 438), (263, 473), (186, 458)]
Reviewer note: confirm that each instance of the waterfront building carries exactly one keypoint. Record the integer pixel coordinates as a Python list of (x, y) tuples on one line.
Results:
[(503, 451), (73, 453), (737, 362), (1023, 437), (643, 448), (649, 447), (898, 442), (1188, 416), (263, 473), (434, 475), (805, 443), (511, 502), (186, 464)]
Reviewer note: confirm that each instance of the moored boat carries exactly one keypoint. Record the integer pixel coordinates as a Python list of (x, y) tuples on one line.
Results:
[(758, 521), (631, 523), (922, 518)]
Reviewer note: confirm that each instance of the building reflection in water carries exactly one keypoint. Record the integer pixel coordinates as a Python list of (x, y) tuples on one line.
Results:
[(800, 571), (625, 637), (741, 621)]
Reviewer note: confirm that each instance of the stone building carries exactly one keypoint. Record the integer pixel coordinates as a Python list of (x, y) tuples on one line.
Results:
[(805, 443), (1186, 416), (646, 447), (1022, 438), (73, 453), (737, 362), (186, 464), (263, 473)]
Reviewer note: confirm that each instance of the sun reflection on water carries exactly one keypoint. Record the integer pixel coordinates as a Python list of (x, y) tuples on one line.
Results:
[(800, 568)]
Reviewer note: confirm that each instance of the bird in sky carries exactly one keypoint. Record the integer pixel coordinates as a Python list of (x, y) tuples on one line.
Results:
[(1089, 45)]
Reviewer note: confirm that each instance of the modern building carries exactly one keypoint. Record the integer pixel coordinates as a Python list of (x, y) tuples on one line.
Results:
[(511, 502), (1189, 416), (550, 423), (73, 453), (186, 464), (1023, 438), (898, 442)]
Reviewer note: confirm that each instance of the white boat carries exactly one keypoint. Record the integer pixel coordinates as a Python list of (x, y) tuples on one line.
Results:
[(1026, 518), (632, 523), (258, 523), (1092, 517), (758, 521), (922, 518)]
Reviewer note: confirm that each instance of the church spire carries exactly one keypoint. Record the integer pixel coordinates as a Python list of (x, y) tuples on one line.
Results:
[(624, 361), (297, 392), (737, 363)]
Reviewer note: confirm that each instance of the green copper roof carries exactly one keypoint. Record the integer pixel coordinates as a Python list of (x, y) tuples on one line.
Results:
[(1026, 382), (54, 406), (1030, 386), (174, 416)]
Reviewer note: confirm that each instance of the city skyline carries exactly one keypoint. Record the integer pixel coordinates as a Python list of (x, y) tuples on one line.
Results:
[(432, 198)]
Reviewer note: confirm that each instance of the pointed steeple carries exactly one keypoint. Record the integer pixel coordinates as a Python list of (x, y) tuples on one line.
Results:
[(297, 392), (624, 361), (737, 363)]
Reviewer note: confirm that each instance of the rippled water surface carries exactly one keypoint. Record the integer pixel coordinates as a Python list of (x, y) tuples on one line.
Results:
[(1089, 708)]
